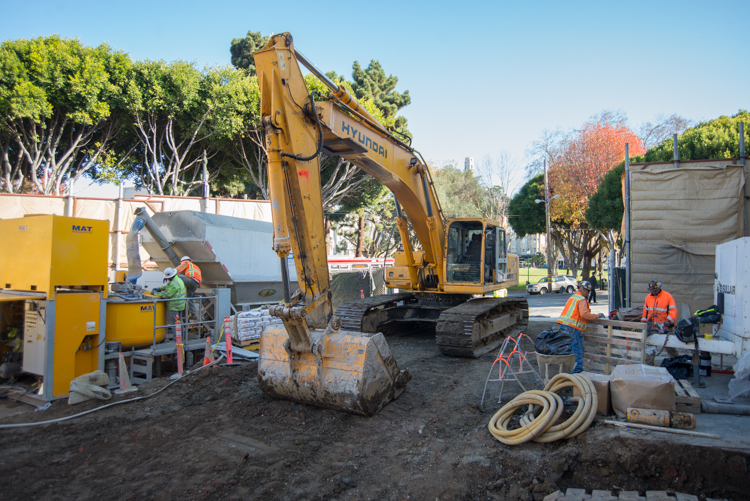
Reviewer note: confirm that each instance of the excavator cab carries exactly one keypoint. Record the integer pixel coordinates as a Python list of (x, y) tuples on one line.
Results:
[(476, 252)]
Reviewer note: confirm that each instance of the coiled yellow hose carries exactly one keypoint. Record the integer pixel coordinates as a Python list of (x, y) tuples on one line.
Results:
[(545, 408)]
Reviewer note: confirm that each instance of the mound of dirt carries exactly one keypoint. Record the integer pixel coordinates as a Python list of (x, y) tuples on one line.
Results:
[(215, 435)]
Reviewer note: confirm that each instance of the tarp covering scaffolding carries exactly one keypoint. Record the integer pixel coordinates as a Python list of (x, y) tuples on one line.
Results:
[(678, 216)]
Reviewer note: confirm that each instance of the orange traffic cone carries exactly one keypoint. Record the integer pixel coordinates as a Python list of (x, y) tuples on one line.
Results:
[(208, 355), (125, 386)]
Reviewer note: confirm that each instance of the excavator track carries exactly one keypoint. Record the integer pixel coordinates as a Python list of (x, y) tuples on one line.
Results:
[(475, 327), (365, 315), (467, 330)]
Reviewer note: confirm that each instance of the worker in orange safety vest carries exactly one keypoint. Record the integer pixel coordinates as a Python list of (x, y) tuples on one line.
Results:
[(659, 308), (190, 275), (574, 318)]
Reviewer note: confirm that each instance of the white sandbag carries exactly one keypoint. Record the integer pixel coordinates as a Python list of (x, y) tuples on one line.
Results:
[(89, 386)]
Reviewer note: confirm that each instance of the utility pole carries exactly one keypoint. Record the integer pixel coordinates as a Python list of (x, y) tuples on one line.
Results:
[(549, 240), (546, 201)]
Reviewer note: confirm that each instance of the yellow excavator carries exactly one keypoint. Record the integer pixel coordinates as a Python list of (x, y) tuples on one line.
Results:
[(340, 360)]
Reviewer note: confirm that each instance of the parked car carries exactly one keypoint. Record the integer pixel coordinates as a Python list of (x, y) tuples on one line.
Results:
[(561, 284)]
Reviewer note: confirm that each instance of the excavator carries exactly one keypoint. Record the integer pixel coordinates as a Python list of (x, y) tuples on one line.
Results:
[(340, 360)]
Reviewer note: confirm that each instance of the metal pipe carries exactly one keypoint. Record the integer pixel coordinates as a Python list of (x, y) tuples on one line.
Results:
[(118, 223), (629, 263), (69, 199), (398, 207), (315, 71), (205, 182), (285, 279), (710, 407), (742, 161), (611, 288), (427, 199), (158, 236), (549, 236), (676, 152)]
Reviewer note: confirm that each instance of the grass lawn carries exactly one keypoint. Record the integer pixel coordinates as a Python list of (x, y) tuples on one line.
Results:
[(533, 274)]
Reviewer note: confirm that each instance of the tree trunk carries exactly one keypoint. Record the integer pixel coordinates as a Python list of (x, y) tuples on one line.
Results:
[(360, 237)]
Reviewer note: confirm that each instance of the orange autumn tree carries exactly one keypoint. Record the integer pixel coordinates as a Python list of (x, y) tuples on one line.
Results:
[(575, 175)]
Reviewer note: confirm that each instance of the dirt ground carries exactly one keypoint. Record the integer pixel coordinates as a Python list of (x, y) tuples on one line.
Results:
[(215, 435)]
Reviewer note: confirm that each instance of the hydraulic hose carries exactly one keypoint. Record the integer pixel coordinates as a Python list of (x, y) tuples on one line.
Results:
[(545, 408)]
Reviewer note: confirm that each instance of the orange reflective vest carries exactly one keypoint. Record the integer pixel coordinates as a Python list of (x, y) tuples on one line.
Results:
[(570, 314), (188, 269), (660, 308)]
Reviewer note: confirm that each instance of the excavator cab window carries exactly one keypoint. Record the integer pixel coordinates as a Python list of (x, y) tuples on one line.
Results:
[(501, 258), (464, 251)]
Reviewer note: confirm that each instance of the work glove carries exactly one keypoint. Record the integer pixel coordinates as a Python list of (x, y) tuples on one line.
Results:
[(601, 315), (644, 320)]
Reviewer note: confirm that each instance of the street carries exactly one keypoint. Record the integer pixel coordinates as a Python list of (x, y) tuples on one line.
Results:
[(544, 307)]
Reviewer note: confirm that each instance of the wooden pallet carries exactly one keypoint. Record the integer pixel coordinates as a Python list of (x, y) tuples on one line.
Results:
[(250, 344), (609, 343), (686, 398)]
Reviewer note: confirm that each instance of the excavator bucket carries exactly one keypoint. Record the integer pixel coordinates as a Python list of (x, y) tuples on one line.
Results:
[(346, 371)]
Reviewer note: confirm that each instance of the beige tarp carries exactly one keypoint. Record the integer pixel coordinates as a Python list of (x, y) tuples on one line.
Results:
[(12, 207), (16, 206), (678, 216)]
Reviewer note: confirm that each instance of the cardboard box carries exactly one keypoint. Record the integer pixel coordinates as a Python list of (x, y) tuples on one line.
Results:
[(601, 383), (641, 386)]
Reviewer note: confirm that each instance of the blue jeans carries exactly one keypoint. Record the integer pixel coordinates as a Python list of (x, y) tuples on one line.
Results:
[(576, 346)]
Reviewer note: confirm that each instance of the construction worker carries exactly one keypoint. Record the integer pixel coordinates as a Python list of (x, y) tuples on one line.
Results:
[(190, 275), (660, 311), (173, 289), (574, 318), (659, 308)]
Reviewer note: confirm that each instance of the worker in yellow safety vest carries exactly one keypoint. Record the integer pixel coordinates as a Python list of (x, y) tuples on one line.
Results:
[(574, 318), (190, 275)]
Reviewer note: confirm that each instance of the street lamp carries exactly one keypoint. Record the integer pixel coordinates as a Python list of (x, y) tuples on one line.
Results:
[(546, 202)]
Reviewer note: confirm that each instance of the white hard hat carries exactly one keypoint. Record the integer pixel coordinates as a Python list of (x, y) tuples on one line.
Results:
[(185, 258), (170, 272)]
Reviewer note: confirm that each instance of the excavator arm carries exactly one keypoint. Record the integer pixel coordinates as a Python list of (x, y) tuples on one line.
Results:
[(311, 359)]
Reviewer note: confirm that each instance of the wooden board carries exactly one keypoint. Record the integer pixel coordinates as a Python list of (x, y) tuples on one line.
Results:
[(609, 343), (686, 398)]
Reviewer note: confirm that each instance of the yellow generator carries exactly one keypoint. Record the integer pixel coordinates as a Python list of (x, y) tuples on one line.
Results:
[(53, 283)]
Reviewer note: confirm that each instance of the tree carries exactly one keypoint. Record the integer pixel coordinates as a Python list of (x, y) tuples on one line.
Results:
[(371, 83), (459, 192), (662, 129), (546, 147), (525, 216), (718, 138), (576, 176), (178, 113), (497, 175), (60, 107), (242, 50)]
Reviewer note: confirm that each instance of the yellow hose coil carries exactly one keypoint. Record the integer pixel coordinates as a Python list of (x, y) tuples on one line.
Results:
[(545, 408)]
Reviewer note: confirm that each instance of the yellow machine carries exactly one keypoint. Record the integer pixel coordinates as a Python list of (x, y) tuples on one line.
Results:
[(53, 292), (342, 361), (56, 268)]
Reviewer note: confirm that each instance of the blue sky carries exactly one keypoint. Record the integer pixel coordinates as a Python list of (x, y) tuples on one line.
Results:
[(484, 77)]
